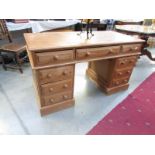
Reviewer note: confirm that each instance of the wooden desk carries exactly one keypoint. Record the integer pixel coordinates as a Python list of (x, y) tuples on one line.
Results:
[(144, 32), (53, 56)]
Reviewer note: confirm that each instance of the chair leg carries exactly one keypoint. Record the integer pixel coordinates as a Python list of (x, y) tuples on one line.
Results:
[(18, 62), (3, 63)]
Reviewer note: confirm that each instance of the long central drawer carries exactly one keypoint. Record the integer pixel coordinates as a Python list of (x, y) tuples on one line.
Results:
[(97, 52)]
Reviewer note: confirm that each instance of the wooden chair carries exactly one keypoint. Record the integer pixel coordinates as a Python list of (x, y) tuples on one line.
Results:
[(15, 49)]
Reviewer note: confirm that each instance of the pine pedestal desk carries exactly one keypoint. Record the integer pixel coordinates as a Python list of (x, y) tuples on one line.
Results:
[(53, 55)]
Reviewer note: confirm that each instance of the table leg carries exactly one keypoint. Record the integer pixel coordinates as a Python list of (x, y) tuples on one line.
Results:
[(147, 53)]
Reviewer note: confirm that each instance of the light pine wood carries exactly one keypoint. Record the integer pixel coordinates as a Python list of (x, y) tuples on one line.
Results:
[(48, 58), (55, 74), (53, 55), (60, 40), (56, 87), (97, 52)]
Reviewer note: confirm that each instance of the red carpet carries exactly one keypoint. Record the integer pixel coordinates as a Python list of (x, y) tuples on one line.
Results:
[(134, 115)]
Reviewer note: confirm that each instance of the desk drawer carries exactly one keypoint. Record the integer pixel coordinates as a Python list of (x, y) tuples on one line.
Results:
[(53, 99), (55, 74), (131, 48), (122, 73), (97, 52), (48, 58), (126, 62), (57, 87), (120, 81)]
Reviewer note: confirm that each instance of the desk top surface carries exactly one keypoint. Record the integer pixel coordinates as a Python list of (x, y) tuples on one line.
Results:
[(62, 40), (137, 28)]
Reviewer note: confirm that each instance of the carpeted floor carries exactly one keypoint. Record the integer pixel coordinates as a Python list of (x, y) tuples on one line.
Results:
[(134, 115)]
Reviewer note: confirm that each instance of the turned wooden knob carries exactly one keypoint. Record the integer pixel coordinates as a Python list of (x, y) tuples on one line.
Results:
[(65, 86), (65, 73), (110, 51), (122, 63), (56, 57), (130, 49), (65, 96), (128, 72), (117, 83), (120, 73), (51, 100), (131, 61), (49, 75), (88, 54), (136, 48), (51, 89), (125, 81)]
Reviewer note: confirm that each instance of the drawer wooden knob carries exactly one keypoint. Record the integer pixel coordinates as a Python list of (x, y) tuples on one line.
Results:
[(51, 89), (65, 97), (125, 81), (130, 49), (122, 63), (65, 73), (56, 57), (88, 54), (117, 83), (49, 75), (120, 73), (110, 51), (128, 72), (136, 48), (131, 61), (65, 86), (52, 100)]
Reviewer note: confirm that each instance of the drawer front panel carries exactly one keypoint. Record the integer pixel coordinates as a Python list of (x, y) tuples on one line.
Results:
[(120, 82), (48, 58), (131, 48), (126, 62), (122, 73), (58, 98), (52, 88), (55, 74), (97, 52)]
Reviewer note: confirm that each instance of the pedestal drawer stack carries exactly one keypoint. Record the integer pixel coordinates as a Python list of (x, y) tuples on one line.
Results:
[(54, 84), (113, 75), (123, 70)]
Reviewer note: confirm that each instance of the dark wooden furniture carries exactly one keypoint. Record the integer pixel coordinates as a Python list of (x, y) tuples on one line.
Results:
[(128, 22), (4, 31), (20, 20), (96, 24), (15, 49), (111, 56), (144, 32)]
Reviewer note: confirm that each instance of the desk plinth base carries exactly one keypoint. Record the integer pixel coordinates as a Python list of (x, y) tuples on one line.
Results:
[(56, 107), (100, 82), (112, 90)]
